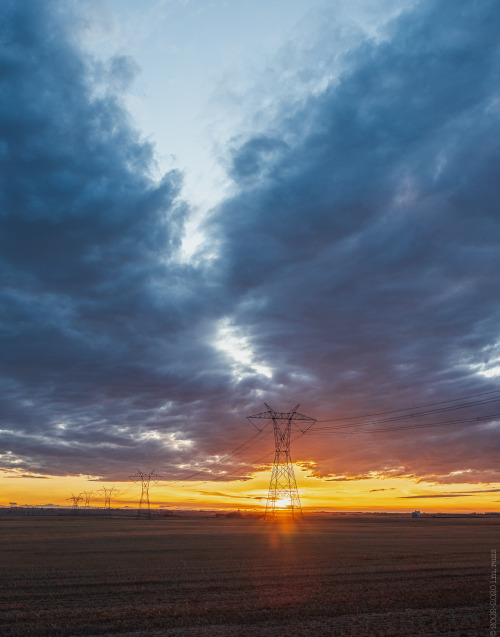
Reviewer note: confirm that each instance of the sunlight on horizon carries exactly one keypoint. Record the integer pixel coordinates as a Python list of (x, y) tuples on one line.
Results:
[(316, 494)]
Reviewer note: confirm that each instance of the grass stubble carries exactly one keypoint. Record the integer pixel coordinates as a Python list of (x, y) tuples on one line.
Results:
[(65, 576)]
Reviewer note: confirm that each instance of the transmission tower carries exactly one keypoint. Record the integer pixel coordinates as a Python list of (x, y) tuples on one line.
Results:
[(283, 493), (145, 479), (75, 500), (87, 497), (108, 493)]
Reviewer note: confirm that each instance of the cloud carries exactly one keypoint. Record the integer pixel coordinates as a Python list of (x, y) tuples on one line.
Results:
[(101, 327), (450, 495), (364, 255), (27, 475), (255, 157), (353, 266), (436, 495), (225, 495)]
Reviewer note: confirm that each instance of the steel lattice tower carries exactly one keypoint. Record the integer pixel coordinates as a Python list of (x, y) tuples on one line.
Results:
[(283, 493), (76, 501), (109, 493), (87, 498), (145, 479)]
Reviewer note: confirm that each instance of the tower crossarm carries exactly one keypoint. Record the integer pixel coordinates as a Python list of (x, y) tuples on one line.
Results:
[(281, 415)]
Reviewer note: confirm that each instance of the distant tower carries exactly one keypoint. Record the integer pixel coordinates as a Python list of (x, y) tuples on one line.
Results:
[(87, 498), (283, 493), (145, 479), (109, 493), (76, 500)]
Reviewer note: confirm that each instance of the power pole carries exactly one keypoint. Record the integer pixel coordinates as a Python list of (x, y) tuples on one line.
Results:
[(283, 493), (145, 479)]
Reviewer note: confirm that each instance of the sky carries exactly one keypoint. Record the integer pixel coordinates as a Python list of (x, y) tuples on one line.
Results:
[(206, 206)]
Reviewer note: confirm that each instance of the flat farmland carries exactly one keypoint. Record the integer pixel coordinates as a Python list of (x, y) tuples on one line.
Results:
[(246, 577)]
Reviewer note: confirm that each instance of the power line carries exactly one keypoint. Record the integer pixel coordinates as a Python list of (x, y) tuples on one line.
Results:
[(252, 440), (241, 447), (267, 455), (393, 411), (409, 416), (239, 472), (404, 427)]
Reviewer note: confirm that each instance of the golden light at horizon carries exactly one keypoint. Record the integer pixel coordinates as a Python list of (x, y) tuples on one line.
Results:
[(371, 494)]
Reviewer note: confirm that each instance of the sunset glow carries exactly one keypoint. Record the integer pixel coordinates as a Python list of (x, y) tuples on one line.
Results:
[(371, 494), (208, 208)]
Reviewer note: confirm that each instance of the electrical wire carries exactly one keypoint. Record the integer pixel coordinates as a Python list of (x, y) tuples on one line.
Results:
[(393, 411), (336, 429), (406, 427), (396, 419), (408, 416), (244, 446), (255, 438), (269, 454)]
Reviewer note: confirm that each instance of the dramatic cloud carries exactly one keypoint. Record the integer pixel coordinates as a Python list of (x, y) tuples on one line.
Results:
[(354, 269), (363, 244), (100, 325)]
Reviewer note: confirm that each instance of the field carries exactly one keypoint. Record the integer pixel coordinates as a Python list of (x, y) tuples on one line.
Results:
[(246, 578)]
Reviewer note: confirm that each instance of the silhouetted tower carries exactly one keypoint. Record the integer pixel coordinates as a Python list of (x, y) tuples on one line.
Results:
[(283, 493), (109, 492), (76, 500), (145, 479), (87, 498)]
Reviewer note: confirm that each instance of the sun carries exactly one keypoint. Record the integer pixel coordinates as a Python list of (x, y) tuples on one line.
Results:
[(283, 503)]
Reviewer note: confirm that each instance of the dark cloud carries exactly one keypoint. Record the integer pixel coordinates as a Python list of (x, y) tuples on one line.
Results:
[(100, 326), (25, 475), (358, 261), (365, 256), (255, 157)]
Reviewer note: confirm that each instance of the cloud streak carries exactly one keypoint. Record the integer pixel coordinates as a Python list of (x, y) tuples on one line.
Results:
[(450, 495)]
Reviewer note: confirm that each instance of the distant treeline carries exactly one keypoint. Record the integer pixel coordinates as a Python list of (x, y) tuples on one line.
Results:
[(80, 511)]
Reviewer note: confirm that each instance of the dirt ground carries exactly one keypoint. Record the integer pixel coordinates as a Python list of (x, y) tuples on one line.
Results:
[(217, 577)]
